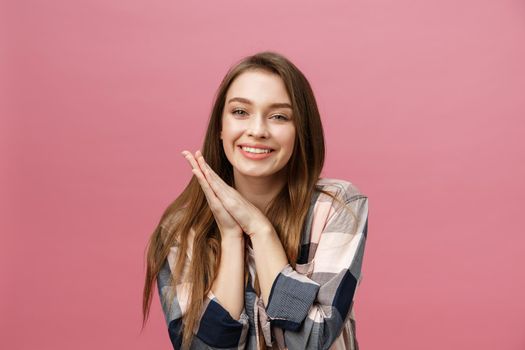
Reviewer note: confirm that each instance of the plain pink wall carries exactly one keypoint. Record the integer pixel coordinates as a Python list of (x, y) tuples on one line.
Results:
[(423, 107)]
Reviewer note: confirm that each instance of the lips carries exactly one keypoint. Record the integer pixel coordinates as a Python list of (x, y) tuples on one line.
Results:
[(255, 156), (258, 146)]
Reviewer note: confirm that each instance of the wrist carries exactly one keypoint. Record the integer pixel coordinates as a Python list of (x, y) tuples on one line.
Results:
[(232, 242), (263, 234)]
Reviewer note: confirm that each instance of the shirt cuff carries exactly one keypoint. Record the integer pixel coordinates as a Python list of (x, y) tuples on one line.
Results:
[(291, 297), (218, 328)]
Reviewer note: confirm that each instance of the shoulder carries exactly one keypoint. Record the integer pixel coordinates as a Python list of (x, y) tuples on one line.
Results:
[(348, 211), (343, 190), (345, 200)]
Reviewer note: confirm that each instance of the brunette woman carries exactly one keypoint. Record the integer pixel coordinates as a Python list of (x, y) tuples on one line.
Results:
[(259, 251)]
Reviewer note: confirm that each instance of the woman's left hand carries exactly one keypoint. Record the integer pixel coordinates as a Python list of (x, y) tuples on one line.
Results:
[(248, 216)]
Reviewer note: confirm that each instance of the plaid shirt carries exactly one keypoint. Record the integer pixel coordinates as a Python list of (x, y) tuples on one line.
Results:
[(309, 307)]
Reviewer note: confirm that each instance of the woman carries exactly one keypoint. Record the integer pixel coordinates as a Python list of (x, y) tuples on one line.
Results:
[(258, 251)]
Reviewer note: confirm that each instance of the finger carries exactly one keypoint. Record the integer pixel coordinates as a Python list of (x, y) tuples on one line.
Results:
[(191, 159), (198, 162), (221, 214), (202, 164), (210, 174), (213, 201), (196, 170), (222, 190)]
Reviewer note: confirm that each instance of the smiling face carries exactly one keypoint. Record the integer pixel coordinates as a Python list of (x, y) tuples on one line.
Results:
[(257, 118)]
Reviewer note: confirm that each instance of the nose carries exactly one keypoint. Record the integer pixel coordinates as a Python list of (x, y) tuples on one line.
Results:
[(257, 127)]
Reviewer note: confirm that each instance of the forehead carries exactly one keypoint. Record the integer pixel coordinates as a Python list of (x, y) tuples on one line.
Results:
[(259, 86)]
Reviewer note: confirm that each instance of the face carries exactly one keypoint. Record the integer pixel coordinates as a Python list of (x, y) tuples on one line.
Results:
[(258, 132)]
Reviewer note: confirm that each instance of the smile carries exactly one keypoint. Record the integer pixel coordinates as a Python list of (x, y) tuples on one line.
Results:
[(255, 150), (255, 153)]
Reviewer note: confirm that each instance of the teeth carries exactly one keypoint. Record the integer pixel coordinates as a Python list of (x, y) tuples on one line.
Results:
[(256, 150)]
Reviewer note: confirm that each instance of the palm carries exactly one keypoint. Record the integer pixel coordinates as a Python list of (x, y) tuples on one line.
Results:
[(228, 226)]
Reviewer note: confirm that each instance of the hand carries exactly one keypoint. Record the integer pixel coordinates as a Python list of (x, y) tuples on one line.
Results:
[(224, 197), (226, 223)]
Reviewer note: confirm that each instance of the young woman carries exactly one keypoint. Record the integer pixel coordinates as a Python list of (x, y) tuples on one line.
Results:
[(258, 251)]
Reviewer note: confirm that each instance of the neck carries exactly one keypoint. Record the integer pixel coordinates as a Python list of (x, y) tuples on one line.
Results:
[(259, 190)]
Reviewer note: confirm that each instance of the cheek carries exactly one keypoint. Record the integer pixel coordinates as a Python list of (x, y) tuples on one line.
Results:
[(230, 135), (231, 129), (286, 138), (226, 136)]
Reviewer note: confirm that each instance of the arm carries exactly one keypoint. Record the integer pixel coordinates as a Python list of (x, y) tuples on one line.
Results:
[(228, 286), (218, 329), (312, 310), (270, 259)]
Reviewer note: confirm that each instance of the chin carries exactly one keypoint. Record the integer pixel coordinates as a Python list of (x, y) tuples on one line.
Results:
[(254, 173)]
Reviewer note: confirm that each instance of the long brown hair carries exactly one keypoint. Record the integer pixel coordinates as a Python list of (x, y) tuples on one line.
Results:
[(287, 211)]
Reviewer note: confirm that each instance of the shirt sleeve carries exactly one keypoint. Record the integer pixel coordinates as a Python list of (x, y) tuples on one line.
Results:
[(216, 329), (311, 308)]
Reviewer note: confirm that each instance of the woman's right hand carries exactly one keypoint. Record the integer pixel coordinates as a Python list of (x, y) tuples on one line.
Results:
[(228, 227)]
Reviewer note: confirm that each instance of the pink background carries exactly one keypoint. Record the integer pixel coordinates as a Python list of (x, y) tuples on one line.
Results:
[(423, 106)]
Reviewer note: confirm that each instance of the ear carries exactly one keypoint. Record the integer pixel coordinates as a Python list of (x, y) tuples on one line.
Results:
[(221, 135)]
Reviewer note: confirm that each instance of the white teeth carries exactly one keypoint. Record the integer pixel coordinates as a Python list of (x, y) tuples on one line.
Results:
[(256, 150)]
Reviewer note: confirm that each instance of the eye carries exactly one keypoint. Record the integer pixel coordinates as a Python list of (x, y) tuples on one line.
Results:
[(238, 110), (280, 116)]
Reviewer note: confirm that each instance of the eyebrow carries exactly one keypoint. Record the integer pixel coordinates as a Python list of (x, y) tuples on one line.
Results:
[(245, 100)]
